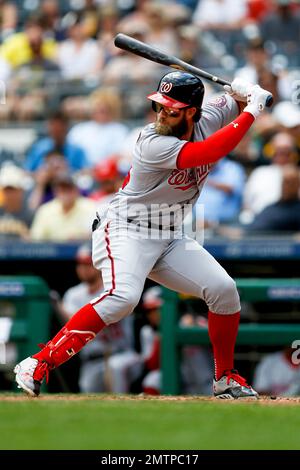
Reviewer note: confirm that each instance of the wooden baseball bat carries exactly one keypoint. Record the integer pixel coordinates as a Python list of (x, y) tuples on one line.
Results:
[(151, 53)]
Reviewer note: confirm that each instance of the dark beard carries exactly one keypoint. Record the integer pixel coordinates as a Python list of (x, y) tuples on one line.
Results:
[(177, 131)]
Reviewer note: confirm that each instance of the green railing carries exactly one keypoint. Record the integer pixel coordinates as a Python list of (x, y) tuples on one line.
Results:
[(25, 299), (175, 336)]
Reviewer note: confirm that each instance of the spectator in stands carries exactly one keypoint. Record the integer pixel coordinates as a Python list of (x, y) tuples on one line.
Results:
[(195, 49), (27, 60), (103, 135), (67, 217), (54, 164), (249, 152), (259, 69), (282, 29), (257, 9), (109, 178), (15, 216), (255, 150), (287, 115), (269, 78), (109, 19), (257, 58), (220, 14), (92, 13), (283, 215), (51, 19), (278, 374), (26, 47), (8, 20), (176, 13), (264, 184), (105, 361), (131, 69), (160, 34), (222, 193), (57, 141), (138, 15), (79, 57)]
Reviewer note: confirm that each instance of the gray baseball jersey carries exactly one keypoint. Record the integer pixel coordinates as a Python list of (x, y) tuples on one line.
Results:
[(154, 179)]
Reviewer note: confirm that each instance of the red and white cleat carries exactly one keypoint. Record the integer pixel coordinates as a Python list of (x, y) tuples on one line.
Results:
[(30, 374), (231, 386)]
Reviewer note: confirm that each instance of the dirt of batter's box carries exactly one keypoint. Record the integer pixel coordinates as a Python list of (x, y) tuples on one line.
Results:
[(264, 400)]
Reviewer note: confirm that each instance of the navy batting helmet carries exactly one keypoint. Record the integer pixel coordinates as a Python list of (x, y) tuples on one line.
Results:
[(179, 90)]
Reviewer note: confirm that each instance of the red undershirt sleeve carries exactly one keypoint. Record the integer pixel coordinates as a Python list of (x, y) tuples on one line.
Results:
[(216, 146)]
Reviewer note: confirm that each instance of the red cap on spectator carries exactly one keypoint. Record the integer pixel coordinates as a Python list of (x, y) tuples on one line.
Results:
[(106, 170)]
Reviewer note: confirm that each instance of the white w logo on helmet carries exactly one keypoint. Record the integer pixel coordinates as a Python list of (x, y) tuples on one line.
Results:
[(165, 87)]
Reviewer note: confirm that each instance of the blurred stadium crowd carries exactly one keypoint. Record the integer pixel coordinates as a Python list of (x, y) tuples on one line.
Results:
[(72, 105)]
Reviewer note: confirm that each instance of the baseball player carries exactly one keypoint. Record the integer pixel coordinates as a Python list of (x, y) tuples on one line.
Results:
[(171, 161), (105, 361)]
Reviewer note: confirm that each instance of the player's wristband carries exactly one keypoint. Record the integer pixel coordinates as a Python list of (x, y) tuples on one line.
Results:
[(252, 109)]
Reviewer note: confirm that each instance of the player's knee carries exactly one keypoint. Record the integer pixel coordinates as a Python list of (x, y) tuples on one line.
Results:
[(224, 297), (130, 300), (126, 302), (228, 287)]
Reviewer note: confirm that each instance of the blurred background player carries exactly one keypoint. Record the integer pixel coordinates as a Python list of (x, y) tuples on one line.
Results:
[(114, 343), (149, 380), (278, 374), (196, 361)]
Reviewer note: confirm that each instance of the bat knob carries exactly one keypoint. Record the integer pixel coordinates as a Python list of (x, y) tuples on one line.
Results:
[(119, 39), (269, 101)]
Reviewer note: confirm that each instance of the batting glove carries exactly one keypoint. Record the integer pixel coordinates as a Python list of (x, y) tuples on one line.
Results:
[(256, 100), (239, 89)]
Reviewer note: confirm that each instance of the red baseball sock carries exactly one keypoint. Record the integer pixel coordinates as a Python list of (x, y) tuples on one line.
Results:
[(79, 330), (223, 331)]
